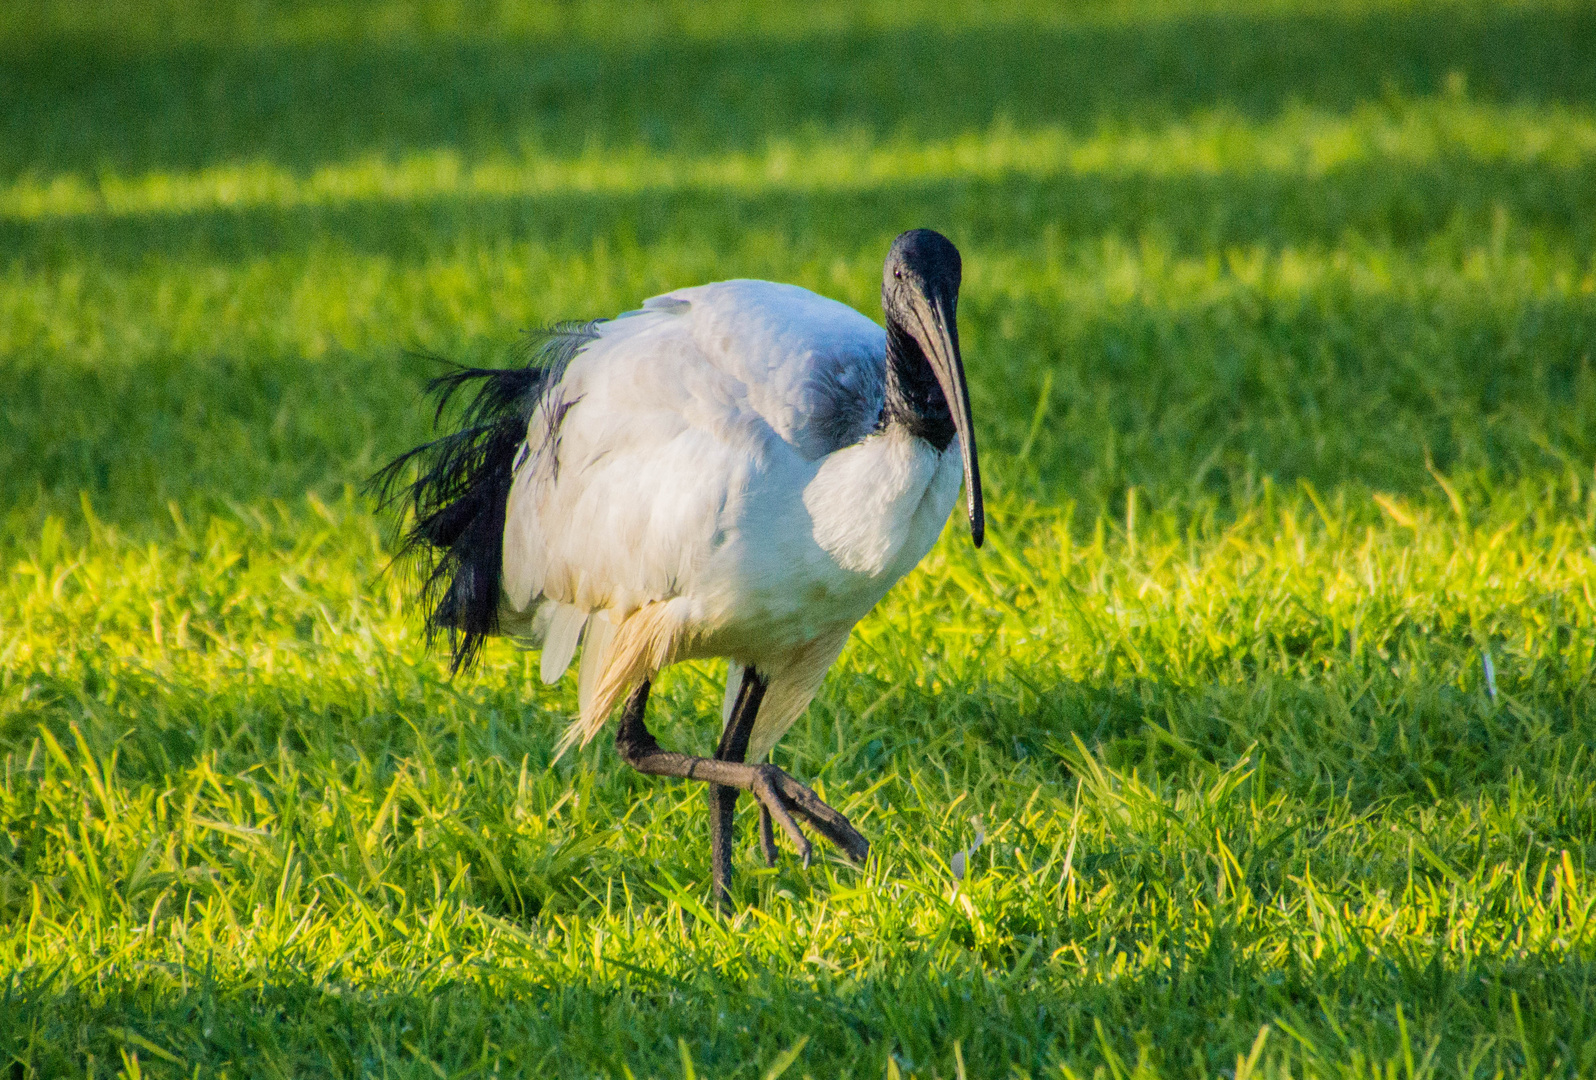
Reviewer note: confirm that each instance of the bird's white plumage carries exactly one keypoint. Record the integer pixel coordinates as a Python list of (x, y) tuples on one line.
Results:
[(705, 480), (559, 641)]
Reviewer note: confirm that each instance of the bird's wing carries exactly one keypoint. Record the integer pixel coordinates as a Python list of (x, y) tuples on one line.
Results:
[(813, 368), (628, 462), (636, 458)]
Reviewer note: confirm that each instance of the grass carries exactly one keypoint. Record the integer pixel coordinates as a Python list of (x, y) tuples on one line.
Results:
[(1271, 693)]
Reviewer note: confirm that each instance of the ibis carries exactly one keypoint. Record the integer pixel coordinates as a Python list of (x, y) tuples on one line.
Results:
[(738, 470)]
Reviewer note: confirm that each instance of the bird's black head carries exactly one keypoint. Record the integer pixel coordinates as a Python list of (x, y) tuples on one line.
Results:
[(921, 261), (920, 298)]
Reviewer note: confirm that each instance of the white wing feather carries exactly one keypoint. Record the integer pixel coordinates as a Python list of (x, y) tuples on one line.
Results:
[(559, 644), (595, 654)]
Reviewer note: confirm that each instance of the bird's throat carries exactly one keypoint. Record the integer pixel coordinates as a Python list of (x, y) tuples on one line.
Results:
[(914, 398)]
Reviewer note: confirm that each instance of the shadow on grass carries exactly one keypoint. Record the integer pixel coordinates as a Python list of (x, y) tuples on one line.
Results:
[(1342, 389), (77, 104), (1206, 1000)]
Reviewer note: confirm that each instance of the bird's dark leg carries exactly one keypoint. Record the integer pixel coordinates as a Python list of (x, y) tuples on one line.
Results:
[(778, 794), (767, 836), (723, 799)]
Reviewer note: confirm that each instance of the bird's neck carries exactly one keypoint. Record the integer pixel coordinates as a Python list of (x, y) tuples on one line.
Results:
[(914, 399)]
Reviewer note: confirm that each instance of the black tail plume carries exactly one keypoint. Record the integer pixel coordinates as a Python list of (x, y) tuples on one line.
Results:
[(458, 488)]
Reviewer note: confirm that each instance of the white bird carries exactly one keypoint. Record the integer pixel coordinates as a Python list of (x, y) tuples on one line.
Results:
[(737, 470)]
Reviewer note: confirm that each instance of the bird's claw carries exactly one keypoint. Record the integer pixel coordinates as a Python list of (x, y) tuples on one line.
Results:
[(780, 795)]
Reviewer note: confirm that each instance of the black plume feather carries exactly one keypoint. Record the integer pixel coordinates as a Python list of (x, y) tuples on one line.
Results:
[(459, 485)]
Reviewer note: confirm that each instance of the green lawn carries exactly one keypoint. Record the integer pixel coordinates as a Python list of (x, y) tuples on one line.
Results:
[(1280, 324)]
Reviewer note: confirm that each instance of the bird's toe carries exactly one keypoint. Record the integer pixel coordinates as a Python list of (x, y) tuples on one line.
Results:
[(828, 822)]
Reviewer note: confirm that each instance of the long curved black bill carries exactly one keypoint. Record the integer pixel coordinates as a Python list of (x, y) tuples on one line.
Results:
[(943, 352)]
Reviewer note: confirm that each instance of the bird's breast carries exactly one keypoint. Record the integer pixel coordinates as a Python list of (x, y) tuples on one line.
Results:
[(865, 501), (812, 555)]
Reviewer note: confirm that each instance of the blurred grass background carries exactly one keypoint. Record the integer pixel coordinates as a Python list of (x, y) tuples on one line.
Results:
[(1279, 322)]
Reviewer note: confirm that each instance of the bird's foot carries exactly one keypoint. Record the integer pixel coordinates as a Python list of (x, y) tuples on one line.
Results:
[(781, 797)]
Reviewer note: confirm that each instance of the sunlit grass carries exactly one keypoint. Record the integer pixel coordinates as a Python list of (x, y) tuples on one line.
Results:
[(1301, 142), (1271, 691), (1299, 768)]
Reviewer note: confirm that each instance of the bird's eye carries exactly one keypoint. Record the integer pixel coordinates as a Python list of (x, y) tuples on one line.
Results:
[(897, 274)]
